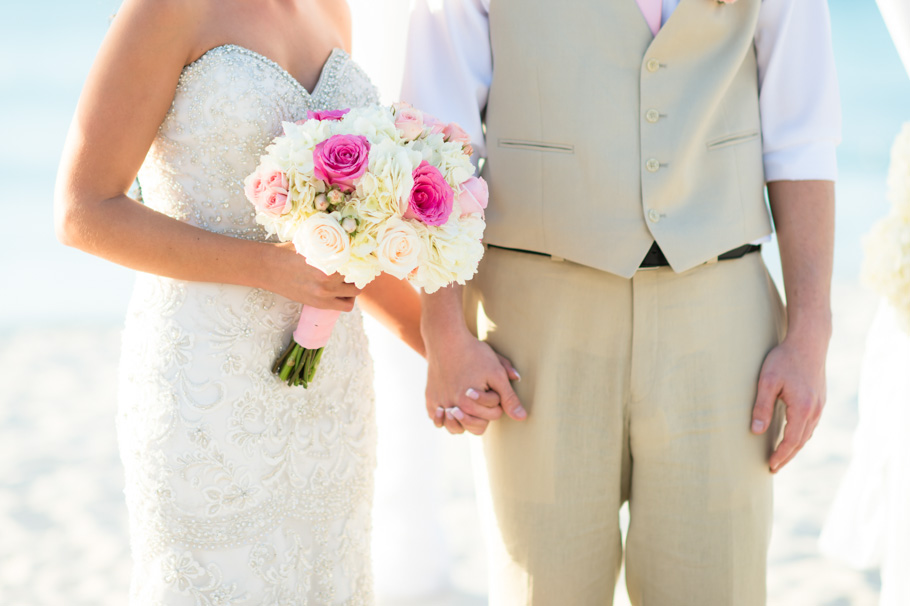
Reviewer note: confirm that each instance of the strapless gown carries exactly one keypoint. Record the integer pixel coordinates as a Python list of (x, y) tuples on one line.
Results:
[(240, 489)]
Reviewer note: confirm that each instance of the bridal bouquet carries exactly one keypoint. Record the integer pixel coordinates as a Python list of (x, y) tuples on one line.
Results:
[(366, 191), (887, 263)]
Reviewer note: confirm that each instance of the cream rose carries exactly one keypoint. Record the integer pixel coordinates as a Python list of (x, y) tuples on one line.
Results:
[(399, 249), (323, 242)]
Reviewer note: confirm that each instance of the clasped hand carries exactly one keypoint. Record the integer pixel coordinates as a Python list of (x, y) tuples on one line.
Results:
[(468, 385)]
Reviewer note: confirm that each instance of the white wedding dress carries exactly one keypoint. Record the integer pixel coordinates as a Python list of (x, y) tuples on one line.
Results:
[(869, 523), (240, 489)]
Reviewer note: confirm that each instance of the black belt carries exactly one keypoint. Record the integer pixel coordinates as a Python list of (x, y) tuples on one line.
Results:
[(656, 258)]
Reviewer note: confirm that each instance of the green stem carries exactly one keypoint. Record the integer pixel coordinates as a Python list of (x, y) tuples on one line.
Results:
[(315, 365), (298, 367), (279, 363), (305, 375), (290, 361)]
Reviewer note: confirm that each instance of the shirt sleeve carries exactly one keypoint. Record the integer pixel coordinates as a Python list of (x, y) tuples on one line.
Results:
[(449, 62), (799, 96)]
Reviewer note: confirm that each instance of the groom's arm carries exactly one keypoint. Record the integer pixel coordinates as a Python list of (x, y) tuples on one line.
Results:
[(794, 372), (800, 117)]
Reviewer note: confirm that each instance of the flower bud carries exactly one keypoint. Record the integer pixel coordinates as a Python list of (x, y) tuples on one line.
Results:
[(349, 224), (321, 202), (336, 197)]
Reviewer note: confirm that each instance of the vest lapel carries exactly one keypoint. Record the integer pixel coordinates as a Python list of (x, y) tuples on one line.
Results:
[(696, 22)]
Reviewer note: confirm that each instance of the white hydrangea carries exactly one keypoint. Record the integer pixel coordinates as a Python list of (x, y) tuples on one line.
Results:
[(450, 253), (374, 122), (887, 245)]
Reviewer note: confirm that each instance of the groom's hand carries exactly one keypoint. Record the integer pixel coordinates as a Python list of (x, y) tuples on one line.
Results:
[(468, 384), (793, 372)]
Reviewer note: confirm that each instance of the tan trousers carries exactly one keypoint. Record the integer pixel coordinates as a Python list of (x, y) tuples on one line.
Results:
[(637, 390)]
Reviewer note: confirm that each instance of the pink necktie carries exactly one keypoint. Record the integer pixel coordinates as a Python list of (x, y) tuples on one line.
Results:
[(651, 10)]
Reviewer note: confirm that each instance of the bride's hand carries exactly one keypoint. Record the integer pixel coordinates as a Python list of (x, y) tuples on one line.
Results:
[(468, 384), (291, 276)]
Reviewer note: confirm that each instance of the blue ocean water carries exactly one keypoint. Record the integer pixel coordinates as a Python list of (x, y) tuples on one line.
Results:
[(46, 48)]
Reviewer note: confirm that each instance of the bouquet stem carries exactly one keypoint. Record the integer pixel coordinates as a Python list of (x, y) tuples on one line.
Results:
[(299, 361)]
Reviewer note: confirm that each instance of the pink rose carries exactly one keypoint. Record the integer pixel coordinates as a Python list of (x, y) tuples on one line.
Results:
[(473, 196), (254, 187), (341, 159), (409, 122), (453, 132), (331, 114), (277, 181), (276, 203), (268, 191), (431, 197), (401, 105), (436, 125)]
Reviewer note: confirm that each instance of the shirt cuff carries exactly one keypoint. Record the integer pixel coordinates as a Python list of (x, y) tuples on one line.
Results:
[(807, 162)]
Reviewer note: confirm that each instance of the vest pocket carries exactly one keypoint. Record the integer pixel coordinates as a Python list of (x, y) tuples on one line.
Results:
[(543, 146), (734, 139)]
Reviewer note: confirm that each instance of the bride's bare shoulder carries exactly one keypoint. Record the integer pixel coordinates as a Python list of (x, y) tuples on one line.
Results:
[(176, 23), (177, 13)]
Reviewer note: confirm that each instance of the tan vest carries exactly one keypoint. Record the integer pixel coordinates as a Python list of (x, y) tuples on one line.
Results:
[(602, 138)]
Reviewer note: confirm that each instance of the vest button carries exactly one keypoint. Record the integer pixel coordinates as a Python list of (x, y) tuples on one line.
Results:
[(652, 65), (652, 116), (653, 215), (653, 165)]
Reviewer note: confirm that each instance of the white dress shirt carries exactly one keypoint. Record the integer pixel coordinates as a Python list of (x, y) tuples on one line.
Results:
[(449, 68)]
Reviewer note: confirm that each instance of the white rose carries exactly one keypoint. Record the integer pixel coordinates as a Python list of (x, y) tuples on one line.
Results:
[(399, 249), (323, 242)]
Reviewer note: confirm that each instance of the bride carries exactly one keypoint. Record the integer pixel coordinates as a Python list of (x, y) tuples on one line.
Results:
[(240, 489), (869, 524)]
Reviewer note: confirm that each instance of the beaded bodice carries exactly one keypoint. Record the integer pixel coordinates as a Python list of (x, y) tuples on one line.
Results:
[(228, 106)]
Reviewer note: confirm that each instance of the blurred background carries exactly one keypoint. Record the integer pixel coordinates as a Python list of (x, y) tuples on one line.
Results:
[(62, 517)]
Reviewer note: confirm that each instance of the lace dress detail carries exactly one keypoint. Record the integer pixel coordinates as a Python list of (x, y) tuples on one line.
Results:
[(240, 490)]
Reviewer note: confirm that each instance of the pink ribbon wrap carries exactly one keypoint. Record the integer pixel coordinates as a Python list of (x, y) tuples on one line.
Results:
[(315, 327)]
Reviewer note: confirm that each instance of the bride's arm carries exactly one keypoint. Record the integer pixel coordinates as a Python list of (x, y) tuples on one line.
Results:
[(396, 304), (126, 96), (897, 17)]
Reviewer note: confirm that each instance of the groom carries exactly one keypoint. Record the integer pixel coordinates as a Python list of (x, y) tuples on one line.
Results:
[(627, 148)]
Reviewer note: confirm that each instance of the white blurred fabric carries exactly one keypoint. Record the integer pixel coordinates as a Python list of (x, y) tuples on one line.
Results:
[(869, 523), (410, 555), (897, 17)]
